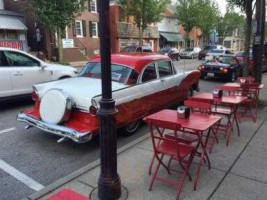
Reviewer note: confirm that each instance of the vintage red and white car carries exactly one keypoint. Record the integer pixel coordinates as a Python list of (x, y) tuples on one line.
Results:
[(141, 83)]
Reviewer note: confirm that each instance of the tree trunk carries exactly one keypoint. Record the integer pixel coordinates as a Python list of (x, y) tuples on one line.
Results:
[(141, 32), (60, 45), (248, 37)]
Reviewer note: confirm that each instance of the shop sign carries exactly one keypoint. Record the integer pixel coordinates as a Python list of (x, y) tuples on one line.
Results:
[(12, 44), (68, 43)]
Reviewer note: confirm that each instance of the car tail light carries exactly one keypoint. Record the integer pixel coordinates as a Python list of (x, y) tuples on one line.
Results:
[(35, 96), (93, 110), (201, 67)]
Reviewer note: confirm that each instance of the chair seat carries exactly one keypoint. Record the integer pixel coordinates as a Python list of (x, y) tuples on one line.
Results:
[(170, 148), (183, 137), (221, 111)]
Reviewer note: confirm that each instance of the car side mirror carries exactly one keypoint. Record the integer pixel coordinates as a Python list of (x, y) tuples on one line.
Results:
[(43, 67)]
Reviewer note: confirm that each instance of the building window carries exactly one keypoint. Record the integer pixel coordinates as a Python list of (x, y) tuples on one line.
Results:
[(2, 34), (79, 28), (11, 34), (94, 30), (93, 6)]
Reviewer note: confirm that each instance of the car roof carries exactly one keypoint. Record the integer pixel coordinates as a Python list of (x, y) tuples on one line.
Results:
[(136, 61)]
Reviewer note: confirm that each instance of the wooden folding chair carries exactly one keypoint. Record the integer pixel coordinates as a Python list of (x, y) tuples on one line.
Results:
[(248, 79), (248, 109), (164, 146)]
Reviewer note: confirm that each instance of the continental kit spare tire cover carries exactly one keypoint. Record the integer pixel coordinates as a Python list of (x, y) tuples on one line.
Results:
[(55, 107)]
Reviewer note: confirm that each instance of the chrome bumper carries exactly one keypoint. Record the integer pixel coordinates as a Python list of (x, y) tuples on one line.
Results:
[(64, 132)]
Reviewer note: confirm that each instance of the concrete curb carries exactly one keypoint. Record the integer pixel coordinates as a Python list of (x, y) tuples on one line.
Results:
[(66, 179)]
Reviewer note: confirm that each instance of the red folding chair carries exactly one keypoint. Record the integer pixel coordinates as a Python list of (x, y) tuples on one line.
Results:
[(248, 109), (248, 79), (204, 108), (164, 146), (225, 110)]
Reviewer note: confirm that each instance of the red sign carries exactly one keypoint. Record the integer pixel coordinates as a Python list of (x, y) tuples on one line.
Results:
[(12, 44)]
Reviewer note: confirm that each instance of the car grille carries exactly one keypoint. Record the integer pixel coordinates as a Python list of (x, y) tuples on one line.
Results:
[(212, 68)]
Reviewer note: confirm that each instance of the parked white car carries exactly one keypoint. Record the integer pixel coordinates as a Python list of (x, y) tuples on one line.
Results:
[(190, 53), (217, 53), (19, 71)]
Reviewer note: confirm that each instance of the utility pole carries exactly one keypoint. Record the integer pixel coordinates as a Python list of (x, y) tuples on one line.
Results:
[(258, 47), (109, 183)]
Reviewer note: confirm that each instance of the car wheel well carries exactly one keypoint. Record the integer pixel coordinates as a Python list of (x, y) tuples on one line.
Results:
[(63, 77)]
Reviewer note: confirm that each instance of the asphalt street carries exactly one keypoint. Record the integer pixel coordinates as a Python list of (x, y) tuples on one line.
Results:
[(31, 159)]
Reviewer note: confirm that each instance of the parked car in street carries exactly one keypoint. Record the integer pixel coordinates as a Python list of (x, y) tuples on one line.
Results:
[(141, 83), (224, 66), (137, 48), (217, 53), (207, 49), (173, 53), (19, 71), (190, 53)]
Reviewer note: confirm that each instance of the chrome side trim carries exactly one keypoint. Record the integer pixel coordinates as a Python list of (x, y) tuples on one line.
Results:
[(62, 131)]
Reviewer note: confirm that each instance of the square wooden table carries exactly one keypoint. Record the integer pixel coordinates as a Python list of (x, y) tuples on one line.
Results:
[(232, 101), (197, 123)]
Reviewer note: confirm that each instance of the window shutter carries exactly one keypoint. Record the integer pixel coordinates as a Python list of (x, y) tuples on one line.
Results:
[(98, 29), (90, 29), (89, 5), (97, 6), (73, 29), (84, 27)]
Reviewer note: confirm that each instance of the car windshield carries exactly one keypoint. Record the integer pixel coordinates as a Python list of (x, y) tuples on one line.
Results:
[(129, 49), (240, 54), (119, 73), (216, 51), (188, 50), (223, 59), (209, 47), (165, 50)]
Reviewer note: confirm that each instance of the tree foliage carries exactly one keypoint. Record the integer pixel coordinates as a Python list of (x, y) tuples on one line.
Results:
[(197, 13), (228, 23), (245, 6), (56, 15), (144, 12)]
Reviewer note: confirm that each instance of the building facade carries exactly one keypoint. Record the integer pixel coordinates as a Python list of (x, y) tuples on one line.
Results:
[(235, 42), (81, 42), (124, 32), (169, 28)]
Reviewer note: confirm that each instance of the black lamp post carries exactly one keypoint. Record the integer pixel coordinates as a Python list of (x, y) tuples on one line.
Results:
[(109, 184), (259, 40)]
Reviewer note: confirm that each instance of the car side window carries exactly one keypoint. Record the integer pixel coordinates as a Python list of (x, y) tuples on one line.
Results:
[(165, 68), (149, 73), (139, 49), (19, 60), (3, 62)]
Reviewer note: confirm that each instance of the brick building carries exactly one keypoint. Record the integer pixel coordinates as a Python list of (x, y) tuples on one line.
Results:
[(124, 32), (81, 42)]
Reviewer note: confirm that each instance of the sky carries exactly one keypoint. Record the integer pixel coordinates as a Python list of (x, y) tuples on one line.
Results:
[(221, 3)]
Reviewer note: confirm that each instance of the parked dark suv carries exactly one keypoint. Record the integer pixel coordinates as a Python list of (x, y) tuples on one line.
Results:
[(207, 49)]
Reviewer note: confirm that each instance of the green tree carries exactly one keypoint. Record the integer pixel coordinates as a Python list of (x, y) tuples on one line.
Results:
[(197, 13), (247, 7), (228, 23), (56, 15), (186, 12), (145, 12), (207, 17)]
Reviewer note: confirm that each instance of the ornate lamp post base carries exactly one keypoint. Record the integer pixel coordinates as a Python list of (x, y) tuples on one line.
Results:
[(124, 194)]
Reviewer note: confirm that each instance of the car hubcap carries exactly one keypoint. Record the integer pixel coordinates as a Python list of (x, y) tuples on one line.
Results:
[(132, 127)]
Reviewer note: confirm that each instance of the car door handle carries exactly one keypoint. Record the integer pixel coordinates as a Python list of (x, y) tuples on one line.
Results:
[(18, 74), (162, 80)]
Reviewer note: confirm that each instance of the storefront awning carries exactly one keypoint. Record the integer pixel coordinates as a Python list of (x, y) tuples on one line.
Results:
[(172, 37), (9, 22)]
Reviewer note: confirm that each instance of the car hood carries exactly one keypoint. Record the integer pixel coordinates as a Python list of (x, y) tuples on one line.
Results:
[(80, 89), (52, 66), (217, 64)]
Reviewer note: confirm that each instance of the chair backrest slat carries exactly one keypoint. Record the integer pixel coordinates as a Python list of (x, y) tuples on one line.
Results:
[(196, 106)]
